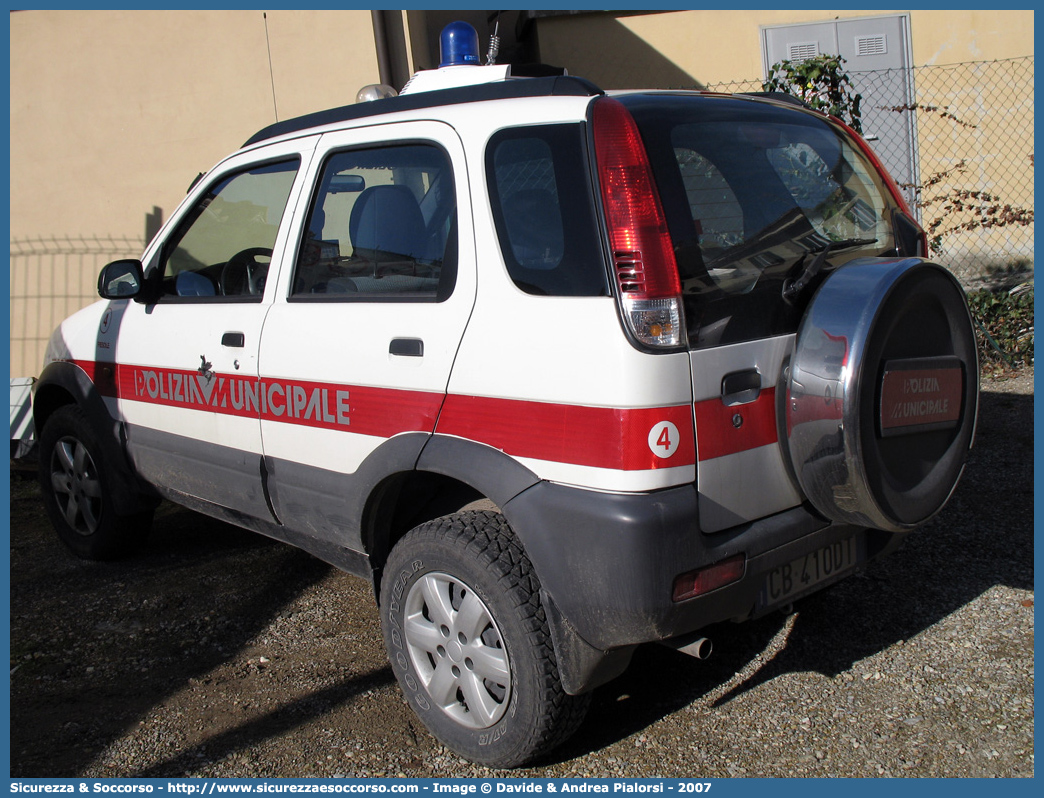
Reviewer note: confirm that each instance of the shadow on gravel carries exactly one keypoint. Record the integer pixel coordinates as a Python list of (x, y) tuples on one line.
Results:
[(275, 724), (95, 646), (983, 538)]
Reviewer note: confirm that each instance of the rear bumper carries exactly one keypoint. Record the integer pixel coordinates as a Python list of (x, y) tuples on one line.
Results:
[(609, 561)]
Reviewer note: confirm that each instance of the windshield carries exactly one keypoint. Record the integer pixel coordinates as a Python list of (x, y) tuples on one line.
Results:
[(751, 190)]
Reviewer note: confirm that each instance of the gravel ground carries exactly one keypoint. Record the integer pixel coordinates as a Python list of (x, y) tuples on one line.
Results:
[(218, 653)]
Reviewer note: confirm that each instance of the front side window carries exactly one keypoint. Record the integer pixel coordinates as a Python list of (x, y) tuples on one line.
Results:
[(223, 247), (539, 190), (382, 226)]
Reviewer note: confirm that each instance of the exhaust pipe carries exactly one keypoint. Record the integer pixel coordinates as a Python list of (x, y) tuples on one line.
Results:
[(694, 645)]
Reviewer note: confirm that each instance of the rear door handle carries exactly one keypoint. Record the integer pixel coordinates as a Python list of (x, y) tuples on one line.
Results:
[(233, 339), (406, 347), (740, 387)]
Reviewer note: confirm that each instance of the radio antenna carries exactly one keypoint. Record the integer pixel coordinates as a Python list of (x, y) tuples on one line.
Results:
[(494, 44)]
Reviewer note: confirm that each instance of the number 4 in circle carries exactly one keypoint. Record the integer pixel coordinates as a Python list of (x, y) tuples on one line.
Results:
[(664, 439)]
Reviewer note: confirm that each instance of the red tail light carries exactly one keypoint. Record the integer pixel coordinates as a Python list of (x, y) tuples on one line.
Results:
[(696, 583), (643, 256)]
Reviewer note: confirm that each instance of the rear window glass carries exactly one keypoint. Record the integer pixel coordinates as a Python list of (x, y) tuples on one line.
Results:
[(751, 192), (538, 188)]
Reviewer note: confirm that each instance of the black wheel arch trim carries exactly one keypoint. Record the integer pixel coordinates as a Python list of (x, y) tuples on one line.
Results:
[(367, 501), (63, 382), (496, 475), (353, 500), (372, 497), (502, 479)]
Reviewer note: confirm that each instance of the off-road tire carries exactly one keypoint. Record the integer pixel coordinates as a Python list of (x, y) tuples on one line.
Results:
[(77, 490), (478, 552)]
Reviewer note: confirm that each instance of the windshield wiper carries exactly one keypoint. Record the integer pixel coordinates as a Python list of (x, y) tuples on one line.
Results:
[(792, 288)]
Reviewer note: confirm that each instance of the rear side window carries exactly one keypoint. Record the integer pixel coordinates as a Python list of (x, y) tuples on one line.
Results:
[(539, 190), (382, 227), (751, 191)]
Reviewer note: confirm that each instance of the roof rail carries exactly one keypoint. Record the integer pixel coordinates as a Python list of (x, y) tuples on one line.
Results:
[(778, 96), (563, 85)]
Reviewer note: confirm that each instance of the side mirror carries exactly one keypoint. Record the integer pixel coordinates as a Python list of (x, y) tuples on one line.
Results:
[(121, 279)]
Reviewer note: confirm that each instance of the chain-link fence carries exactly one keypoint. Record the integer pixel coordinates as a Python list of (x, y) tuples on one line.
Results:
[(959, 138), (962, 143), (50, 279)]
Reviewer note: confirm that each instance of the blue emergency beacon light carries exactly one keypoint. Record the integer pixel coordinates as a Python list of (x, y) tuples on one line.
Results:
[(458, 45)]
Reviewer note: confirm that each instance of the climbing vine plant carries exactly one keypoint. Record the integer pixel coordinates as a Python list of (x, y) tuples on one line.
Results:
[(820, 82)]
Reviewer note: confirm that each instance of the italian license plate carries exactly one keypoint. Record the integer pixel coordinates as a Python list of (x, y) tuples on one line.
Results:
[(802, 574)]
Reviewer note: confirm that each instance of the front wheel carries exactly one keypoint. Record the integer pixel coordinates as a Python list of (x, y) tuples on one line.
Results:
[(77, 491), (469, 642)]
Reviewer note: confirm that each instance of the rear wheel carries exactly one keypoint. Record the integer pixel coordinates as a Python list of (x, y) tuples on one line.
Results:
[(469, 642), (77, 491)]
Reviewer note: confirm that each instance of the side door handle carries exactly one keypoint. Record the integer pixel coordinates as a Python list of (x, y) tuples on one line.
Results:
[(740, 387), (233, 339), (406, 347)]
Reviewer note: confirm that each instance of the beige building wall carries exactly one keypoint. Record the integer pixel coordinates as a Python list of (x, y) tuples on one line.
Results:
[(686, 48), (114, 113)]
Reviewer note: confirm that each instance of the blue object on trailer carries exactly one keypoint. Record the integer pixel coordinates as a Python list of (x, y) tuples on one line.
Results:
[(21, 416)]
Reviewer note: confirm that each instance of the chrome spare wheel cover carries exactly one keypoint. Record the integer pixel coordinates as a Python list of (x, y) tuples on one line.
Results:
[(77, 486), (882, 393), (457, 650)]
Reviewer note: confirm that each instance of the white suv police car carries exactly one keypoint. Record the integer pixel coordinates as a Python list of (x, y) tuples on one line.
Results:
[(683, 349)]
